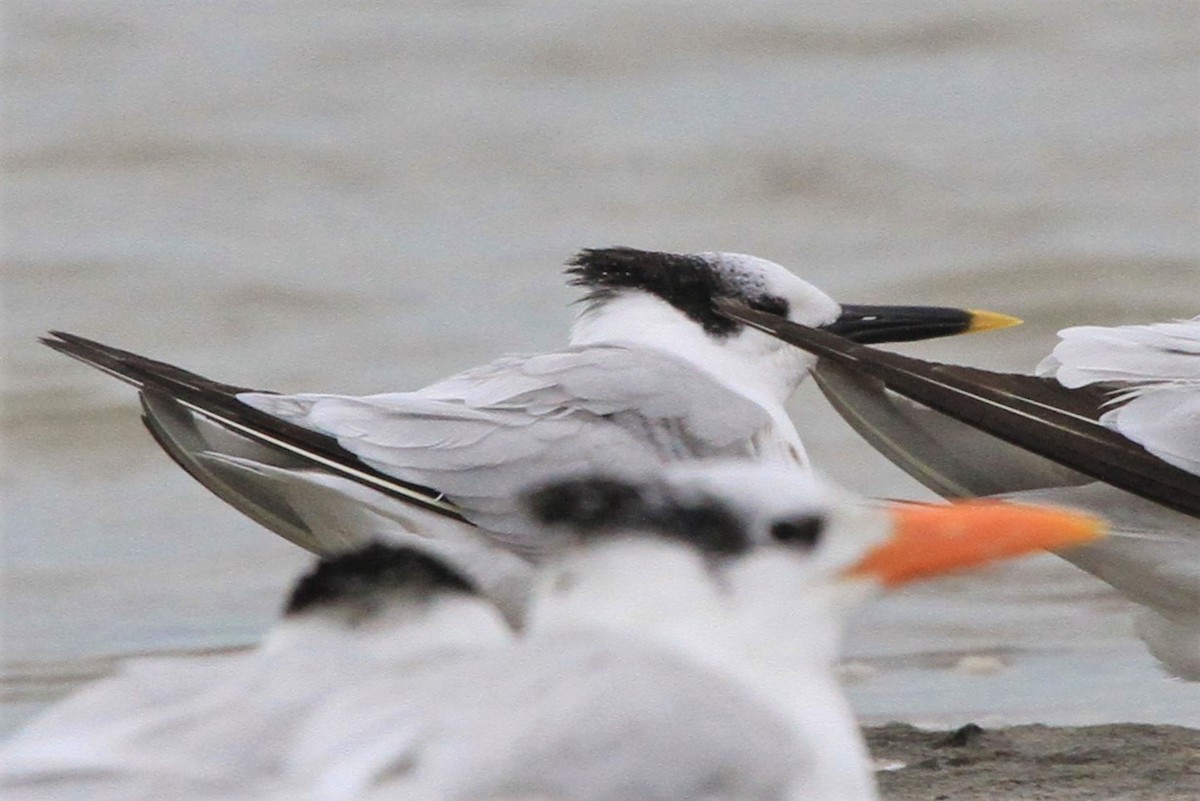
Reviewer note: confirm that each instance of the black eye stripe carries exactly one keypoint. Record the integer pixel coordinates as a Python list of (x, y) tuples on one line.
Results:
[(688, 282), (597, 507), (803, 532)]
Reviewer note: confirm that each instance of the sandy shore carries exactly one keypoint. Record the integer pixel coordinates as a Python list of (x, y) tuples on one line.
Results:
[(1125, 761)]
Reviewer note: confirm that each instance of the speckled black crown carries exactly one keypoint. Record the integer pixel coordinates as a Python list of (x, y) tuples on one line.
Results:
[(689, 283), (595, 507), (362, 577)]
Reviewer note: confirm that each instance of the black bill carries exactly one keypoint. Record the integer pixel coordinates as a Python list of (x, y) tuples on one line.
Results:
[(869, 324)]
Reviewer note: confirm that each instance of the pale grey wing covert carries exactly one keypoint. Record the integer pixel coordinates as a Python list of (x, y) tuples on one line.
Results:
[(582, 717), (169, 729), (485, 434), (296, 482)]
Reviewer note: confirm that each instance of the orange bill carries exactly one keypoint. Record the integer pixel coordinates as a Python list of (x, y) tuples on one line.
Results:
[(928, 539)]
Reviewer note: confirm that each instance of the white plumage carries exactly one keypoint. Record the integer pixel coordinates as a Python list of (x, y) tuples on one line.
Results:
[(679, 645), (1157, 372), (219, 727)]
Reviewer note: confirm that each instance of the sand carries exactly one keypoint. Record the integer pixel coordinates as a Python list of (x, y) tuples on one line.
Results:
[(1118, 761)]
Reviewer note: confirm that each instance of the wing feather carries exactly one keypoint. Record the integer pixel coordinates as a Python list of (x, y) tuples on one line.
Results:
[(481, 436), (1153, 372)]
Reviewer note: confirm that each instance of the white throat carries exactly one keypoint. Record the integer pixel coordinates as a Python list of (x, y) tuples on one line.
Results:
[(750, 362), (450, 622), (656, 591), (791, 626)]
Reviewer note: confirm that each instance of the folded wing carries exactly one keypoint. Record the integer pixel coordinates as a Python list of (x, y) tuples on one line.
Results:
[(481, 436)]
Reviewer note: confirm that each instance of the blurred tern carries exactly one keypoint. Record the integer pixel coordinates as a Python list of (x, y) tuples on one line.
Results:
[(1111, 424), (679, 645), (216, 727), (652, 375)]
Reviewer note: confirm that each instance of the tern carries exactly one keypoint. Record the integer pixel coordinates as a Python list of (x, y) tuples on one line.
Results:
[(652, 375), (680, 644), (215, 727), (1109, 423)]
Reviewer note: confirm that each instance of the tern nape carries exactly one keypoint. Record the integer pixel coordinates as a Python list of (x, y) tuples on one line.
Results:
[(652, 374), (1109, 423)]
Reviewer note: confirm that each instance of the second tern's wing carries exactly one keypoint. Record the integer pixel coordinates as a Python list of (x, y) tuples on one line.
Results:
[(1038, 414), (949, 457)]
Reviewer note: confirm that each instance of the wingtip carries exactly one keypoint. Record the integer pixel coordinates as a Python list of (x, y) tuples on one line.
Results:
[(60, 345), (64, 339)]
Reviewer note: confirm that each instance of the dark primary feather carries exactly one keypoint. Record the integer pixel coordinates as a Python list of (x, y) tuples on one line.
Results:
[(950, 457), (218, 402)]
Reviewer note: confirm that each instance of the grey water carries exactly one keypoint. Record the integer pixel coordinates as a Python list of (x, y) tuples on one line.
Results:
[(367, 196)]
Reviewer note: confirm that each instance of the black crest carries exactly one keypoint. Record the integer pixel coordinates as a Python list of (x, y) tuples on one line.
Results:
[(689, 283), (360, 577), (595, 506)]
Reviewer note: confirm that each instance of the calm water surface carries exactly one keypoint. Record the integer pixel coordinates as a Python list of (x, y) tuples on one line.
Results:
[(372, 197)]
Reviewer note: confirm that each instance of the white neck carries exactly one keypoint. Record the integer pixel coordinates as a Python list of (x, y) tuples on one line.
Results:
[(451, 621), (657, 591), (750, 362), (792, 626)]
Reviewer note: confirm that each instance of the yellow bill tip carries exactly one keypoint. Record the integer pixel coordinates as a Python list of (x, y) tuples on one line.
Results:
[(983, 320)]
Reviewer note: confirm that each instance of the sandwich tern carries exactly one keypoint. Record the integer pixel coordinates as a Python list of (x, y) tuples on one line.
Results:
[(680, 644), (1110, 423), (652, 375)]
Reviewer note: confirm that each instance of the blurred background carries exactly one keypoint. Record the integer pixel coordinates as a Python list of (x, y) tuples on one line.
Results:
[(366, 196)]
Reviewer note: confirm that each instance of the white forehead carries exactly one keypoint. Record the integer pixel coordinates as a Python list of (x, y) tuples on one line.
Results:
[(807, 303), (764, 494), (758, 492)]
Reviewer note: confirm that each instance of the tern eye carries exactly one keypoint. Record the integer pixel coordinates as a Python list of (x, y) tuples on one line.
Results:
[(770, 304), (804, 532)]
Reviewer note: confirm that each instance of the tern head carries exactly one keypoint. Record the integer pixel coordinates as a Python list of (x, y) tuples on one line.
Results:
[(357, 586), (777, 538), (834, 535), (666, 300), (628, 557), (386, 601)]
